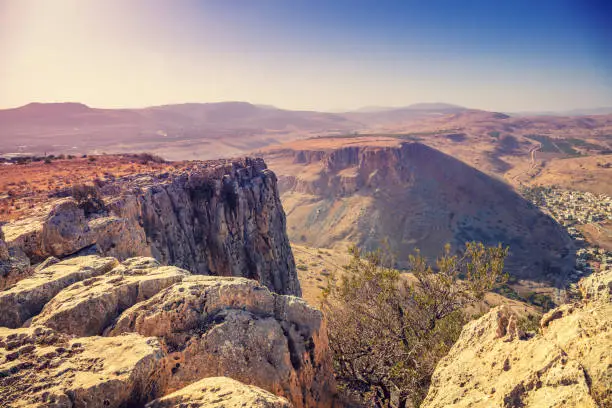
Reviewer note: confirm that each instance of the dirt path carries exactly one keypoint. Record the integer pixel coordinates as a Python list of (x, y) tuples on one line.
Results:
[(532, 163)]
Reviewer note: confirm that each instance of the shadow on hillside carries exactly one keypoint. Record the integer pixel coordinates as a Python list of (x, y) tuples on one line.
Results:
[(423, 198)]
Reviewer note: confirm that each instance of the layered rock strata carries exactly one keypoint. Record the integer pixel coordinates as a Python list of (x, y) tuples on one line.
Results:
[(220, 392)]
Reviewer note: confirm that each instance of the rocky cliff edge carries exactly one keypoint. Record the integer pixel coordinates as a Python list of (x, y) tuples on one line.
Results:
[(568, 363), (220, 218)]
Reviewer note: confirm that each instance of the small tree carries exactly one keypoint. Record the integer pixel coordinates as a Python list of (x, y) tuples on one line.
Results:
[(388, 331)]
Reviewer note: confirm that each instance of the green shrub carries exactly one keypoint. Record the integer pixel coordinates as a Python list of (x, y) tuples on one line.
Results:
[(387, 333)]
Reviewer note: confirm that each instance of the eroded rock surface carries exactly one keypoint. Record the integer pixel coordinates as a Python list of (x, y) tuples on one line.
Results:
[(27, 297), (4, 253), (217, 218), (12, 268), (568, 364), (200, 326), (234, 327), (220, 392), (42, 368), (88, 307)]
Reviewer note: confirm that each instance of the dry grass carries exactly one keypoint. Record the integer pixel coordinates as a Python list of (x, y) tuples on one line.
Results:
[(318, 264), (23, 187)]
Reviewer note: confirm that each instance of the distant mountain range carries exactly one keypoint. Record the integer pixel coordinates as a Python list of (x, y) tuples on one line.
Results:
[(571, 112), (437, 106), (203, 130)]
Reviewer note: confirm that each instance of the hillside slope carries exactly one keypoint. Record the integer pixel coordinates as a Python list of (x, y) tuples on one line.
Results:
[(183, 131), (414, 196)]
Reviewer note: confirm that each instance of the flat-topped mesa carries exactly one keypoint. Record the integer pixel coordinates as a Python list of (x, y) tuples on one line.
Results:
[(220, 217), (414, 196)]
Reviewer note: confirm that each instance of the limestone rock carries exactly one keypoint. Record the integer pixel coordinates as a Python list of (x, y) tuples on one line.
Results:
[(87, 307), (584, 331), (46, 263), (227, 221), (220, 392), (234, 327), (568, 364), (65, 230), (27, 297), (221, 219), (12, 268), (597, 287), (4, 253), (42, 368)]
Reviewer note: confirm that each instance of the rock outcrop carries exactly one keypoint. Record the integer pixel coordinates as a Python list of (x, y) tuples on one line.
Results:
[(88, 307), (42, 368), (27, 297), (173, 329), (4, 253), (12, 269), (216, 218), (234, 327), (220, 392), (567, 364)]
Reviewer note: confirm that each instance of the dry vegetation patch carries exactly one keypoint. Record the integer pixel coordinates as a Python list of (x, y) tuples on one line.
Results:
[(24, 186)]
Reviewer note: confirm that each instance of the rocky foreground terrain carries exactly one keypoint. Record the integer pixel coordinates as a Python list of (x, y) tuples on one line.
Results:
[(180, 291), (568, 363), (93, 331)]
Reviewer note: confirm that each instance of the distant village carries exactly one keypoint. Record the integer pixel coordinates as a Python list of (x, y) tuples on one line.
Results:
[(570, 209)]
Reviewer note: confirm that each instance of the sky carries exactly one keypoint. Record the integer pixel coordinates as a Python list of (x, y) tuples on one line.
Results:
[(503, 55)]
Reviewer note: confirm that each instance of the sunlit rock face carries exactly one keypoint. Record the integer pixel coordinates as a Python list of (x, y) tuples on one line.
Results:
[(215, 218), (94, 326), (567, 364)]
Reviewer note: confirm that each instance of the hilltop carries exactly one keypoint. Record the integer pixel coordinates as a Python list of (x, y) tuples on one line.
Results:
[(351, 190)]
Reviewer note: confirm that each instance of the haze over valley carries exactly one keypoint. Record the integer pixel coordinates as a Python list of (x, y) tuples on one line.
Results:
[(305, 203)]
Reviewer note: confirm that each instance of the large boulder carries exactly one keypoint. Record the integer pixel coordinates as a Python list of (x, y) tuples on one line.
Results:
[(87, 307), (220, 392), (235, 327), (42, 368), (27, 297), (567, 364)]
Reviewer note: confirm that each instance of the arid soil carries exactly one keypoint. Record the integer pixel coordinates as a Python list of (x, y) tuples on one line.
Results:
[(24, 186)]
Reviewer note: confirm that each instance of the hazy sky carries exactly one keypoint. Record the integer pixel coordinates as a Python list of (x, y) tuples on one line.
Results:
[(308, 54)]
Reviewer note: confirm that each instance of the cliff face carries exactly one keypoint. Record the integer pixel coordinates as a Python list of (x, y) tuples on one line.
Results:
[(567, 364), (99, 332), (416, 197), (217, 218)]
